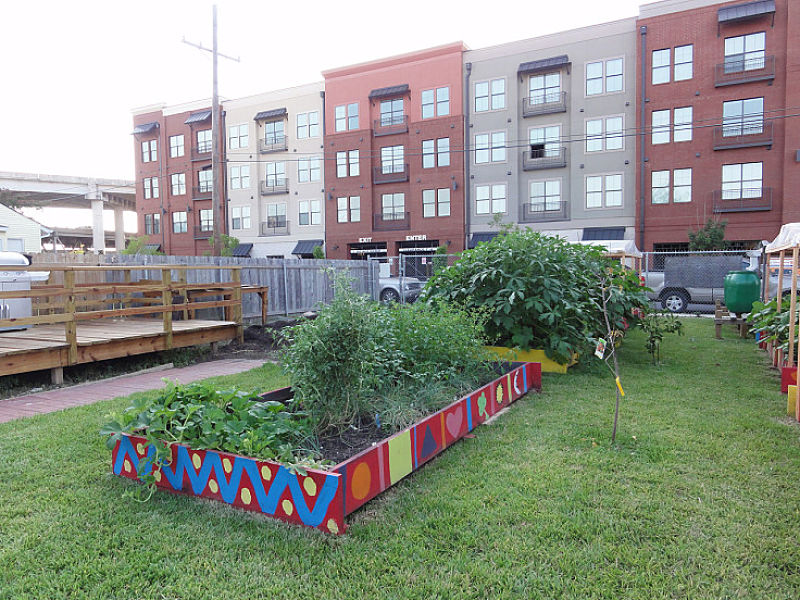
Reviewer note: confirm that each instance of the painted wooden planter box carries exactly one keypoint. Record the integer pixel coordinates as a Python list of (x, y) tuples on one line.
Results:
[(517, 354), (323, 499)]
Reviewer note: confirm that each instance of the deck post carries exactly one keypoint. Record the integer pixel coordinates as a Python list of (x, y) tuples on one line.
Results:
[(183, 280), (57, 375), (166, 301), (264, 295), (71, 326), (236, 276)]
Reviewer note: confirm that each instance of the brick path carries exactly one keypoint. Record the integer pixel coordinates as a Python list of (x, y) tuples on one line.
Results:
[(87, 393)]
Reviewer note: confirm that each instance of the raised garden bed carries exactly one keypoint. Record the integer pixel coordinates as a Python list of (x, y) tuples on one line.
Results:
[(548, 365), (317, 498)]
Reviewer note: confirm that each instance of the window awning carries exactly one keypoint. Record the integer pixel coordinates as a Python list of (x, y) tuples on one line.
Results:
[(243, 250), (387, 92), (603, 233), (545, 64), (745, 11), (270, 114), (477, 238), (198, 117), (145, 128), (306, 247)]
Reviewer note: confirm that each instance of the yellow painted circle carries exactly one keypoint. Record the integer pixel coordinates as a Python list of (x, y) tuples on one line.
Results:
[(157, 476), (266, 473), (332, 526), (196, 461), (287, 507), (310, 486), (127, 466), (246, 496), (212, 485), (226, 464)]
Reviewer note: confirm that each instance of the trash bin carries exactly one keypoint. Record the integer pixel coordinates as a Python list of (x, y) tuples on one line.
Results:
[(741, 290), (13, 281)]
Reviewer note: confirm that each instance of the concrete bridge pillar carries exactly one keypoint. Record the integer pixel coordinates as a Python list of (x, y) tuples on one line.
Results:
[(96, 199), (119, 229)]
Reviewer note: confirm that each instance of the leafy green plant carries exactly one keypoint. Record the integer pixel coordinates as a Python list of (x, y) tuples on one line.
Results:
[(710, 236), (771, 325), (655, 326), (139, 245), (318, 253)]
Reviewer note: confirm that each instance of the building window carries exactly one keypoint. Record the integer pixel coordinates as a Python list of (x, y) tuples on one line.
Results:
[(178, 183), (276, 174), (150, 151), (341, 164), (743, 117), (604, 191), (240, 217), (179, 222), (307, 125), (684, 56), (604, 77), (604, 134), (659, 191), (204, 141), (308, 170), (274, 132), (498, 148), (660, 127), (490, 199), (346, 117), (310, 212), (276, 215), (661, 66), (482, 148), (206, 219), (682, 131), (543, 89), (490, 147), (152, 223), (545, 195), (443, 152), (240, 177), (393, 207), (238, 136), (745, 52), (148, 224), (436, 102), (392, 112), (150, 185), (436, 203), (205, 181), (175, 146), (741, 181), (347, 164), (392, 159), (428, 154), (682, 185), (490, 95), (545, 141), (354, 209)]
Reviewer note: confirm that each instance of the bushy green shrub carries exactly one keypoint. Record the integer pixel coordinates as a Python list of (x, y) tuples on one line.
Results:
[(540, 292), (771, 325)]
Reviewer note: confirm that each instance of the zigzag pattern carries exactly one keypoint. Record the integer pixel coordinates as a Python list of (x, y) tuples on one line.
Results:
[(267, 499)]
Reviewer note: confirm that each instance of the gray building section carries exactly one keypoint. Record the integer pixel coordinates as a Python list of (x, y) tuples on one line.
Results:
[(551, 133)]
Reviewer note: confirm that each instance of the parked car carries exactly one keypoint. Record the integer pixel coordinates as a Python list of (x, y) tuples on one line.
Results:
[(390, 288)]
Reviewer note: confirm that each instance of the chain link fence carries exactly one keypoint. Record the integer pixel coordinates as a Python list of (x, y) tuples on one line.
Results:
[(401, 278)]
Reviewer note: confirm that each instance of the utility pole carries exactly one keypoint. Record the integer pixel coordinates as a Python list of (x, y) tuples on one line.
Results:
[(216, 180)]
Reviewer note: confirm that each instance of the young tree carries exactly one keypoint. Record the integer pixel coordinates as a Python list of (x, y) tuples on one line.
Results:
[(709, 237)]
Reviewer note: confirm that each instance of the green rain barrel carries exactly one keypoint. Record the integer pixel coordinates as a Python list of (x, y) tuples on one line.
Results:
[(742, 288)]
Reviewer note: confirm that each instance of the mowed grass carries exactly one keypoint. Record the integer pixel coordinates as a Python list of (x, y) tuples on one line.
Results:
[(700, 498)]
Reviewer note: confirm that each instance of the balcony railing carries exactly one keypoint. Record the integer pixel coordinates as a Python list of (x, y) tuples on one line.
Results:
[(202, 151), (393, 176), (272, 144), (279, 185), (533, 160), (202, 192), (544, 105), (203, 232), (734, 71), (746, 200), (274, 227), (747, 134), (538, 212), (390, 124), (391, 221)]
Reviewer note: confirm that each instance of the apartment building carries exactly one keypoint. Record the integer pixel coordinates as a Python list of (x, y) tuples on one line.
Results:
[(274, 149), (549, 134), (173, 177), (394, 130), (717, 88)]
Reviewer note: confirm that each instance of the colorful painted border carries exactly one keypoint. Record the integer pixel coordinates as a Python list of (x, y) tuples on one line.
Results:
[(322, 499)]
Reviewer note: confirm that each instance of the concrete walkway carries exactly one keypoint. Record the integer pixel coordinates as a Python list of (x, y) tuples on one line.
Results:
[(87, 393)]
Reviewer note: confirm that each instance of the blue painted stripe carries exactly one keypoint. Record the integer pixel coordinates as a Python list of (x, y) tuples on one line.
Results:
[(469, 413)]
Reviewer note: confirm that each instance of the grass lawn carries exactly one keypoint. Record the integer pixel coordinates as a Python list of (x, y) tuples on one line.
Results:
[(700, 499)]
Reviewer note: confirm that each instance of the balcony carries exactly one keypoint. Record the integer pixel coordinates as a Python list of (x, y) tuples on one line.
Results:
[(273, 144), (748, 200), (394, 176), (541, 212), (202, 193), (734, 71), (203, 232), (202, 151), (274, 226), (397, 221), (390, 125), (279, 185), (743, 135), (545, 105), (540, 158)]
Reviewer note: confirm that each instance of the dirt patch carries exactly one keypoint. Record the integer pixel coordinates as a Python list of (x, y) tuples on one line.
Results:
[(260, 341), (351, 442)]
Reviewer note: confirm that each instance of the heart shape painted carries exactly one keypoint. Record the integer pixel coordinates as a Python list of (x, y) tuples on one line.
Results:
[(453, 421)]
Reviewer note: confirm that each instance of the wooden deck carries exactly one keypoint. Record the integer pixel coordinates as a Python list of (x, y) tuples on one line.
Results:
[(46, 347)]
